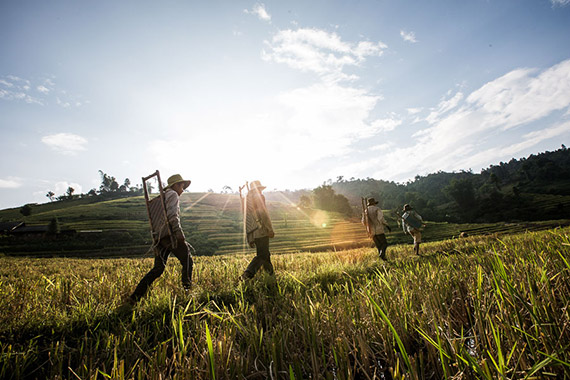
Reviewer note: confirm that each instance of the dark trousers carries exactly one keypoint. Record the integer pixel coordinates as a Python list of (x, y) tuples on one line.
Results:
[(263, 258), (381, 244), (182, 252)]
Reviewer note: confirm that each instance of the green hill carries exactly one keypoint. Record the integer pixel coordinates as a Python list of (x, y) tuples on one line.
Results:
[(213, 225), (529, 189)]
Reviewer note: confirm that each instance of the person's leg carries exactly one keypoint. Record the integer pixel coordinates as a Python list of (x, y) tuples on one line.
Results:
[(153, 274), (182, 252), (263, 252), (381, 245), (377, 243), (382, 248), (417, 241), (261, 258)]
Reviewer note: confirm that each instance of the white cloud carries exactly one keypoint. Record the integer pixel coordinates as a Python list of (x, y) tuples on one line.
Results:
[(470, 132), (408, 36), (6, 83), (413, 111), (297, 129), (443, 107), (64, 104), (17, 93), (381, 147), (386, 125), (560, 3), (484, 157), (65, 143), (260, 11), (318, 51), (43, 89), (60, 188), (10, 183), (521, 97), (18, 89)]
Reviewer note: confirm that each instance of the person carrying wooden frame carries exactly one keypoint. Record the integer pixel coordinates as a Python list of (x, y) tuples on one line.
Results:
[(167, 234)]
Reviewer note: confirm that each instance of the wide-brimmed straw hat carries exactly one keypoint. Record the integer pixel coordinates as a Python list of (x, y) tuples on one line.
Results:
[(177, 178), (256, 185), (372, 201)]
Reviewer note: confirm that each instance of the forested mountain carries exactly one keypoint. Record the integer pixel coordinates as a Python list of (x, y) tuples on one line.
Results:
[(532, 188)]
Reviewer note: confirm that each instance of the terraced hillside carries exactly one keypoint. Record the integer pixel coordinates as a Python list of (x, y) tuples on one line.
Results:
[(219, 217), (213, 224)]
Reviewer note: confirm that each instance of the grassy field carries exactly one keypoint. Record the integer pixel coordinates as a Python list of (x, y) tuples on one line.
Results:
[(493, 306), (213, 224)]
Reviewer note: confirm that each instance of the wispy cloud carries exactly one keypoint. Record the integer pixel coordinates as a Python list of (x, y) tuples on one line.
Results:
[(408, 36), (319, 51), (260, 11), (560, 3), (61, 187), (14, 88), (326, 119), (443, 107), (10, 183), (297, 129), (43, 89), (527, 141), (386, 125), (381, 147), (521, 96), (468, 132), (65, 143)]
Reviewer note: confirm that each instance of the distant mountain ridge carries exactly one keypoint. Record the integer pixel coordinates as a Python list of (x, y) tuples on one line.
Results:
[(532, 188)]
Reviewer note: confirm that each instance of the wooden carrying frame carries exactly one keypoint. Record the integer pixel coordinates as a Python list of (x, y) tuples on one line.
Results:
[(156, 209), (365, 213)]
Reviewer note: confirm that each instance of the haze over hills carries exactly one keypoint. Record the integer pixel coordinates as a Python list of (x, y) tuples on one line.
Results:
[(501, 198)]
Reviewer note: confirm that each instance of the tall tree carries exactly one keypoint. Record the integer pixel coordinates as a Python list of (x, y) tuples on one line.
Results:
[(26, 210), (69, 192), (305, 201), (53, 226), (326, 199), (461, 191)]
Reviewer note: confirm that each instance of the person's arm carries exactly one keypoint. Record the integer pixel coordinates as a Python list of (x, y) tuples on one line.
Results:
[(382, 221), (380, 216), (263, 216), (173, 214)]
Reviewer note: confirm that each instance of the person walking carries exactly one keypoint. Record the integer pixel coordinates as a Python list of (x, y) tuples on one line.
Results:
[(180, 248), (376, 224), (258, 229), (411, 224)]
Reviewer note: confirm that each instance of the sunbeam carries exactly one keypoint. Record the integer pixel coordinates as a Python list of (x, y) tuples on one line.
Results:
[(198, 201)]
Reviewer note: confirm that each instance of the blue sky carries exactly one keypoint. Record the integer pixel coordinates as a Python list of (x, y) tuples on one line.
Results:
[(291, 93)]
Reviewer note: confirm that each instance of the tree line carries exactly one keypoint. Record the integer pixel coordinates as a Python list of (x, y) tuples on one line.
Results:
[(109, 188), (531, 188)]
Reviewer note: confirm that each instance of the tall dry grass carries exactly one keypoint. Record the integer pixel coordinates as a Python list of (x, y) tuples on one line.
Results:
[(481, 307)]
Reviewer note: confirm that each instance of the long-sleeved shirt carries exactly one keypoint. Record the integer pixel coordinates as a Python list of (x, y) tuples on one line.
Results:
[(376, 220), (258, 223), (172, 213)]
